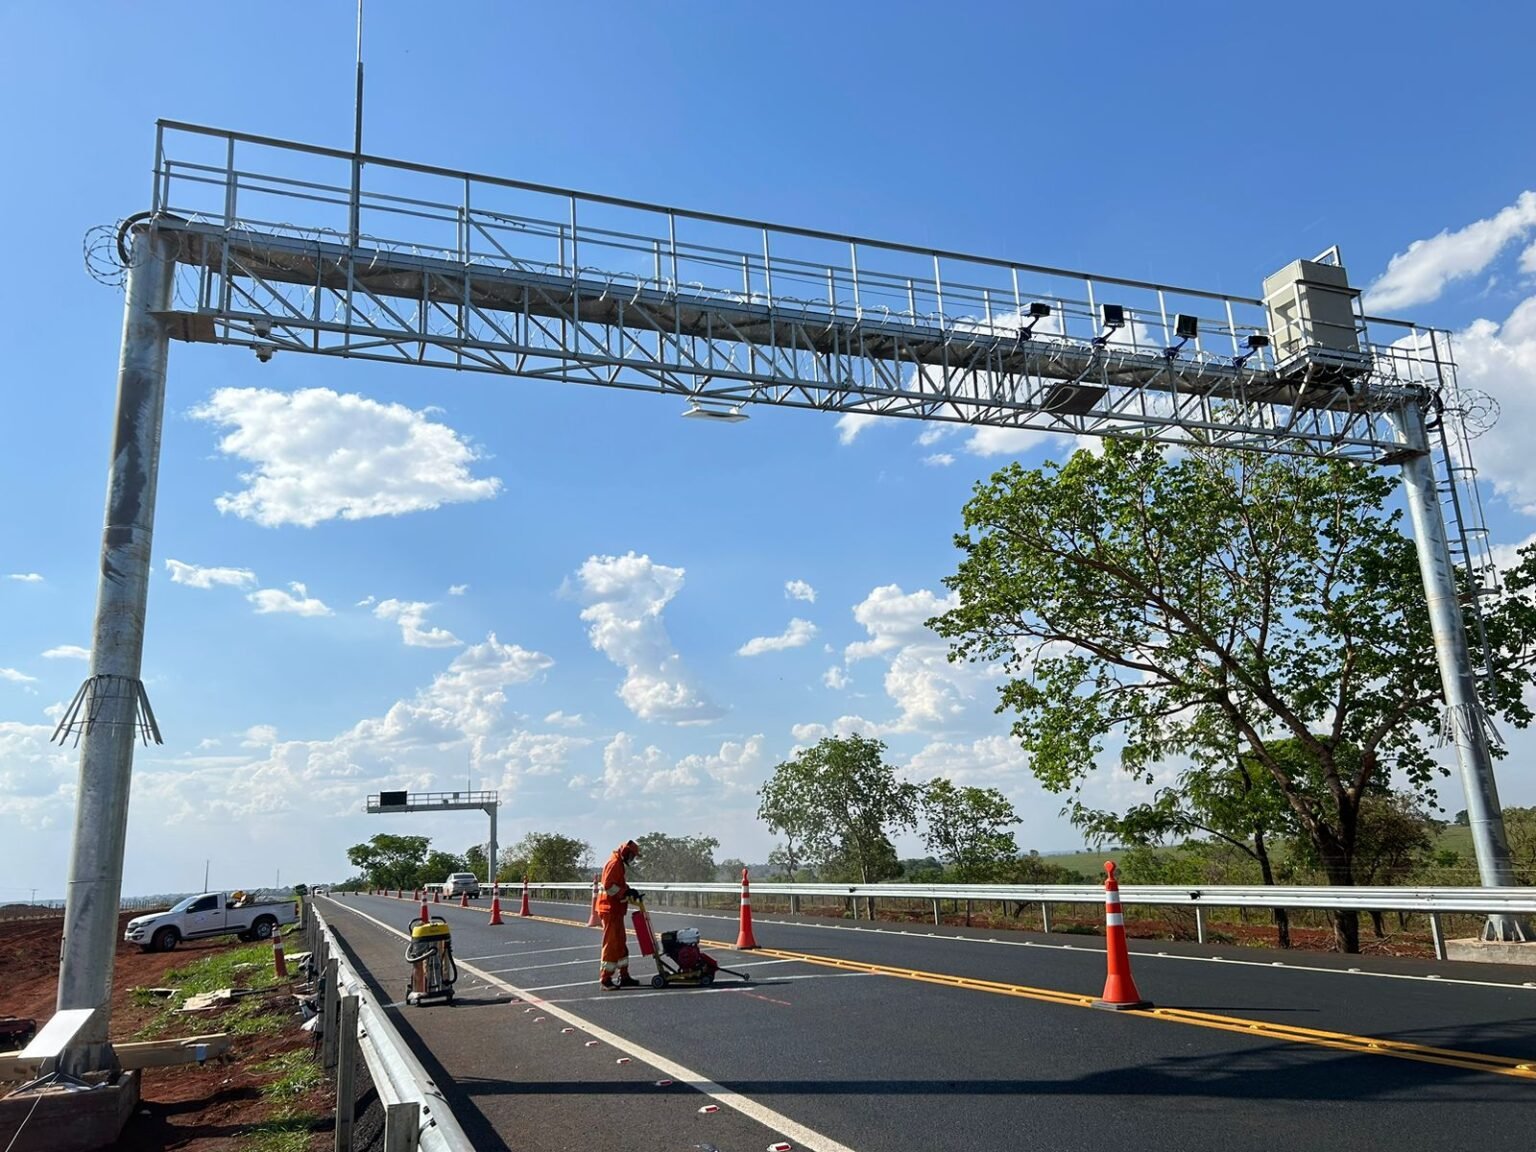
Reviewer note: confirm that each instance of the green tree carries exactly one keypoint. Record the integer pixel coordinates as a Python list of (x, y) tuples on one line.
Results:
[(439, 865), (1184, 603), (782, 857), (680, 859), (546, 856), (474, 860), (967, 828), (1520, 823), (729, 870), (391, 861), (838, 800), (1395, 838)]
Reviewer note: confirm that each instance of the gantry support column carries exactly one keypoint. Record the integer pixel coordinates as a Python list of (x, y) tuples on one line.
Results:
[(1464, 722), (107, 712)]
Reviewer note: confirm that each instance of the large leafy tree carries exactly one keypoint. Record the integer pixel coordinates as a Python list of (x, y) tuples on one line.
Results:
[(680, 859), (838, 801), (1186, 606), (967, 828), (545, 856), (391, 861)]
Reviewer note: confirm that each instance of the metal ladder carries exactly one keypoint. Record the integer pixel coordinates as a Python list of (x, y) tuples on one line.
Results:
[(1461, 506)]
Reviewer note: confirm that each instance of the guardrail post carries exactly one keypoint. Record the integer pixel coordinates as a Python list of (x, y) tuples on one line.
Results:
[(1045, 918), (346, 1068), (935, 913), (1200, 924), (328, 1014), (402, 1126), (1437, 930)]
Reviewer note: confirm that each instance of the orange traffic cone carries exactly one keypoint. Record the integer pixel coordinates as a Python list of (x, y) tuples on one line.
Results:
[(525, 910), (495, 907), (425, 916), (592, 920), (437, 895), (279, 963), (463, 899), (744, 938), (1119, 989)]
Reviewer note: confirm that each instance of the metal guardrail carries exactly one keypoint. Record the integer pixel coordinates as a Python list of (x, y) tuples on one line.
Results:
[(1362, 899), (417, 1114), (1432, 902)]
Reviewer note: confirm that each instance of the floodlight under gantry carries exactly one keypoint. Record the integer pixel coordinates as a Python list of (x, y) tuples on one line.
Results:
[(697, 411), (1038, 311), (1185, 328), (1113, 317), (1256, 340)]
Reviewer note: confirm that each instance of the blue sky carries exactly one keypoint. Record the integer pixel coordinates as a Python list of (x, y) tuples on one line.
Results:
[(563, 612)]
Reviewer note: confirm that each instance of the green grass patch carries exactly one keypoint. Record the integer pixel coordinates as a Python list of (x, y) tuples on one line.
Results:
[(292, 1074), (286, 1132), (248, 967)]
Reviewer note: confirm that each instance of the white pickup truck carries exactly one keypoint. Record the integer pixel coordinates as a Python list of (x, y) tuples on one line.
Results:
[(210, 914)]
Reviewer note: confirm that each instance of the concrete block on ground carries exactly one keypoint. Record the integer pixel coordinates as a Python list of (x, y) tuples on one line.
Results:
[(68, 1120), (1491, 951)]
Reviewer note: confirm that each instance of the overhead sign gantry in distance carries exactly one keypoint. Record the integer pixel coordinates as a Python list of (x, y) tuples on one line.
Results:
[(466, 801)]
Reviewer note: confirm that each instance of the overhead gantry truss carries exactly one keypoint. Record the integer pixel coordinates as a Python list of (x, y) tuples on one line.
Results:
[(291, 248)]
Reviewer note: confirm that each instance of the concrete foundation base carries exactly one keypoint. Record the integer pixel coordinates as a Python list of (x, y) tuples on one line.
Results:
[(1490, 951), (54, 1119)]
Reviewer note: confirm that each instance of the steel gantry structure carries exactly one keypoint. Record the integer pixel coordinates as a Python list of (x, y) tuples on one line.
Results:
[(284, 248)]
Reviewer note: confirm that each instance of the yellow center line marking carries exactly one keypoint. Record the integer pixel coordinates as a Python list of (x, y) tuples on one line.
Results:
[(1521, 1068)]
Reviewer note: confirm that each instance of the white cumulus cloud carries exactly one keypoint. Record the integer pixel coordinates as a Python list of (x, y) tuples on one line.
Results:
[(67, 652), (411, 615), (939, 460), (1420, 273), (1500, 359), (26, 577), (835, 677), (197, 576), (799, 590), (318, 455), (559, 719), (296, 601), (457, 589), (850, 424), (624, 597), (16, 677), (797, 635)]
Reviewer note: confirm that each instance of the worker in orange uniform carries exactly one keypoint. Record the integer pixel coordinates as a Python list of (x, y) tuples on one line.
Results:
[(612, 897)]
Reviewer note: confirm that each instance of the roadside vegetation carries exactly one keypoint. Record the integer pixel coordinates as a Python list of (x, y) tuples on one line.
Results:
[(265, 1009)]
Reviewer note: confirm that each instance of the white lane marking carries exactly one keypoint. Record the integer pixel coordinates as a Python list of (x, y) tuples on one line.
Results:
[(628, 995), (792, 1130), (1137, 953), (536, 967), (530, 952)]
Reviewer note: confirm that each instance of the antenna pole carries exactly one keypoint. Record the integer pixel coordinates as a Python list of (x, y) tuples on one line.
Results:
[(357, 134)]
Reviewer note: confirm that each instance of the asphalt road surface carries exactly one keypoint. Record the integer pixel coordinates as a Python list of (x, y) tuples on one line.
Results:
[(878, 1040)]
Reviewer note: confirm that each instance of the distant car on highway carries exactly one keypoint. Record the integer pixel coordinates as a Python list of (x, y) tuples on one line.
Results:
[(462, 884), (210, 914)]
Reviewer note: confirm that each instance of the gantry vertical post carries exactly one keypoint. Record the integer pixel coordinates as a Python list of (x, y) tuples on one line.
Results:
[(1464, 722), (107, 719), (491, 866)]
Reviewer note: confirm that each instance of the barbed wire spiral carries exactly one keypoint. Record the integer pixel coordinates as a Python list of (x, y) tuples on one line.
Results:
[(104, 261)]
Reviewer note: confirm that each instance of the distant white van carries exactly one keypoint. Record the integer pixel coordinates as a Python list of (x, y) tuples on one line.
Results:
[(462, 884)]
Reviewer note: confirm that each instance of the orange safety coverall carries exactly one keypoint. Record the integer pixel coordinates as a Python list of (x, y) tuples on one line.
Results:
[(611, 902)]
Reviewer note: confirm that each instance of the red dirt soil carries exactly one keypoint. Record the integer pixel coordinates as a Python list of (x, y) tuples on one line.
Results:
[(183, 1106)]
